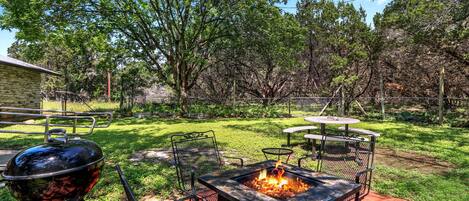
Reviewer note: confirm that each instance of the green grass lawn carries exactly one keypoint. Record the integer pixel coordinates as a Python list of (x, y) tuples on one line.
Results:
[(79, 107), (246, 137)]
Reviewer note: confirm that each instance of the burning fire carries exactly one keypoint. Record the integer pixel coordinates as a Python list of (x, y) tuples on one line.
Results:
[(276, 185)]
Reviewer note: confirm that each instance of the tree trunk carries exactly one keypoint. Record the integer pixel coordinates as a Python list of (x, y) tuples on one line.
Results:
[(441, 92), (233, 94), (342, 102), (183, 99), (381, 94), (121, 102)]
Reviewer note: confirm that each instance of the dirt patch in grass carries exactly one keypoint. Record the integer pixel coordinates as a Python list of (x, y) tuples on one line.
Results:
[(412, 161), (153, 155)]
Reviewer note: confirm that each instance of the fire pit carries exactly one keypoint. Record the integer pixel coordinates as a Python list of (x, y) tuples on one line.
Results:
[(271, 180)]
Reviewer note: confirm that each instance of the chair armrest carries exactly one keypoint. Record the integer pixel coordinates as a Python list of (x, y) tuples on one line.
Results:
[(359, 174), (240, 159)]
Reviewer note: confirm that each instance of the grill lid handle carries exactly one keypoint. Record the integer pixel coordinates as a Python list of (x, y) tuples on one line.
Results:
[(57, 131)]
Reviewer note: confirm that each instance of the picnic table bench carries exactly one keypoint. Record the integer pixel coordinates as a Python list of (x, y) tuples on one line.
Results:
[(291, 130), (360, 131)]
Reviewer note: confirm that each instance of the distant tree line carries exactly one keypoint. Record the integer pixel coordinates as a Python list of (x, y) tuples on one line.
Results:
[(227, 50)]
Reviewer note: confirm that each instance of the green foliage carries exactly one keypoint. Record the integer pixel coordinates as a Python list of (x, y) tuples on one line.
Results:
[(174, 38), (341, 36), (64, 36), (132, 79), (203, 110), (261, 54), (440, 25)]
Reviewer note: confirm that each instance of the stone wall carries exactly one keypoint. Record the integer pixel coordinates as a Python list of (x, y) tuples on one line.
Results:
[(19, 87)]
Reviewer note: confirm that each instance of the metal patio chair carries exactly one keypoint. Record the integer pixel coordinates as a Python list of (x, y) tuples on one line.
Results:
[(350, 158), (128, 192), (196, 154)]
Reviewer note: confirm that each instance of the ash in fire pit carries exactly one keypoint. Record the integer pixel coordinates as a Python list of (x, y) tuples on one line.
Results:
[(276, 182)]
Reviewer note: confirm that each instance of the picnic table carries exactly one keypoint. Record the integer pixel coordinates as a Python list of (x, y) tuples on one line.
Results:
[(323, 120)]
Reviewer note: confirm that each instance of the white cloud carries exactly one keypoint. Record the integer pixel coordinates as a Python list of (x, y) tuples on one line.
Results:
[(381, 2)]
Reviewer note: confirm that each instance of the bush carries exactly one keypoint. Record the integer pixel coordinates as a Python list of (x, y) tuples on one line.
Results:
[(201, 110)]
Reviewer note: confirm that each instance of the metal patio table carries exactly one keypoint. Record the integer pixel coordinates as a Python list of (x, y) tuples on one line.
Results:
[(328, 187), (323, 120)]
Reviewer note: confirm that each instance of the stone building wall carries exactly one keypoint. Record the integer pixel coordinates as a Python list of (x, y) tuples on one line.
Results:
[(19, 87)]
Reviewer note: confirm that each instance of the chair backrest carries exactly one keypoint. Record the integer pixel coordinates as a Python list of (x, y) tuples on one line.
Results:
[(128, 192), (196, 151), (346, 156)]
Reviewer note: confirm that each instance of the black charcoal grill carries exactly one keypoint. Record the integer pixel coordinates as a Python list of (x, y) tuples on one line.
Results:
[(61, 169)]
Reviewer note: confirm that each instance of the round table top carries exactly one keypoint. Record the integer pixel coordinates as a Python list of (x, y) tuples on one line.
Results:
[(332, 120)]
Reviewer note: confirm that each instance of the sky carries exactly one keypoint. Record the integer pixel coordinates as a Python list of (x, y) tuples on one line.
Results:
[(371, 7)]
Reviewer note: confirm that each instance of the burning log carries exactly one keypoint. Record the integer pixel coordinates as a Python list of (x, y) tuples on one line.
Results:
[(276, 185)]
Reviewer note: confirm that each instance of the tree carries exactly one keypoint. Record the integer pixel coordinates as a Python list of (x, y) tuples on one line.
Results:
[(175, 38), (63, 36), (265, 52), (340, 47), (132, 78), (436, 28)]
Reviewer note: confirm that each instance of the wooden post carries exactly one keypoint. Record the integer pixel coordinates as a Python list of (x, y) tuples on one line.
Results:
[(289, 106), (381, 95), (75, 121), (360, 107), (441, 92), (329, 102), (46, 129)]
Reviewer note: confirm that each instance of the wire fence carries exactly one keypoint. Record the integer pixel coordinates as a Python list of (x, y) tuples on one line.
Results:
[(417, 109), (420, 109)]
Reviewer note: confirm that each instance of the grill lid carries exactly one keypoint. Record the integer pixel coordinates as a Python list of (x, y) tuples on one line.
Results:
[(59, 156)]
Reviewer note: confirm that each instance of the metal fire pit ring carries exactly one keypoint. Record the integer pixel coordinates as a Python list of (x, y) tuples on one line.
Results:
[(277, 152)]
